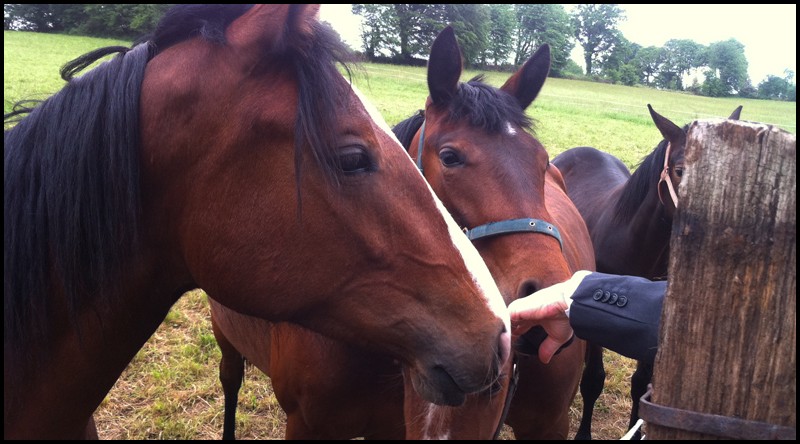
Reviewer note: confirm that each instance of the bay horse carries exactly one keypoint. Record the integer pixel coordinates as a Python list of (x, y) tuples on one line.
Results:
[(227, 153), (629, 216), (494, 176)]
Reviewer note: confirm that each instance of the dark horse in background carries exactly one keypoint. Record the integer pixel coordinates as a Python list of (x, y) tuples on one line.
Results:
[(226, 153), (495, 178), (629, 217)]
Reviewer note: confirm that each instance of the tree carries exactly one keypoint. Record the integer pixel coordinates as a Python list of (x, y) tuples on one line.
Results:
[(406, 32), (620, 66), (417, 25), (713, 86), (119, 20), (775, 88), (36, 17), (375, 31), (648, 61), (472, 26), (540, 24), (501, 33), (729, 64), (596, 30), (124, 21), (679, 57)]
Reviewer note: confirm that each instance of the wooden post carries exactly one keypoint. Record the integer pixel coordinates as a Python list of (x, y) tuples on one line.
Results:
[(728, 341)]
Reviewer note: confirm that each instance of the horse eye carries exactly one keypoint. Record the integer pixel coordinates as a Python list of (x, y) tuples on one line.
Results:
[(354, 160), (450, 158), (679, 172)]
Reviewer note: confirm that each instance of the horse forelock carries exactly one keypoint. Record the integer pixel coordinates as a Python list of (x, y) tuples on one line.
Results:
[(486, 107), (321, 88), (182, 22)]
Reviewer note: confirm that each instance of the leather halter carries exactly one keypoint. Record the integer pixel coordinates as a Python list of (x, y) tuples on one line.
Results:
[(665, 178), (501, 227)]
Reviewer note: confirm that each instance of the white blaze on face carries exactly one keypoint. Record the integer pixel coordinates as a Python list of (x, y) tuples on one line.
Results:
[(377, 117), (510, 129), (475, 264)]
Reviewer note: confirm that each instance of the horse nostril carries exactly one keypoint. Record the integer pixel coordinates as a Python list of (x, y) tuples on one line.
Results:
[(527, 288)]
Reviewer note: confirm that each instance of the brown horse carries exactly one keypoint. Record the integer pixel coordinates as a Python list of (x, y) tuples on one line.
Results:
[(629, 217), (226, 153), (496, 180)]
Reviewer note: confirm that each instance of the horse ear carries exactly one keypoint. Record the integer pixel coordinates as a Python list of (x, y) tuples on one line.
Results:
[(669, 130), (735, 114), (272, 27), (526, 83), (444, 67)]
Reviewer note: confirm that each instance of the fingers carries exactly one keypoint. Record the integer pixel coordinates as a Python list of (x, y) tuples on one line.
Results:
[(549, 348), (530, 310)]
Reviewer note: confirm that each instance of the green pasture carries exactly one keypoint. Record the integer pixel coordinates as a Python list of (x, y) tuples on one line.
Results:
[(567, 113), (32, 60)]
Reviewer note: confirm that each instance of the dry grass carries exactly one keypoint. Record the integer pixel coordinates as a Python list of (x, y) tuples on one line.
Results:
[(171, 389)]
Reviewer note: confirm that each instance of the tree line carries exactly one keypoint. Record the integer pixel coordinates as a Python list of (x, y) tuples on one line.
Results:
[(503, 36), (496, 36)]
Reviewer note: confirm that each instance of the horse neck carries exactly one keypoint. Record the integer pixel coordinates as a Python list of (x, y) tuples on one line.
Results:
[(644, 238), (654, 234), (84, 362)]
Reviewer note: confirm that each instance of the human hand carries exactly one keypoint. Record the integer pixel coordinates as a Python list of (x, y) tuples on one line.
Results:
[(546, 307)]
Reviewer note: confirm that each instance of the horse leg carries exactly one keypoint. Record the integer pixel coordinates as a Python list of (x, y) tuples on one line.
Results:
[(592, 382), (641, 377), (231, 374), (91, 430)]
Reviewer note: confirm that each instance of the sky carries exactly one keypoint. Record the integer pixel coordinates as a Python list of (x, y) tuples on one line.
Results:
[(767, 31)]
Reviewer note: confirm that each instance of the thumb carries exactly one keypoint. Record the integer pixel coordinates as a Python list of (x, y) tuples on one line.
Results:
[(548, 348)]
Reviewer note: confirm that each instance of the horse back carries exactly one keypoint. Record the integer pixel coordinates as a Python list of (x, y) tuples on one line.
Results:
[(591, 177)]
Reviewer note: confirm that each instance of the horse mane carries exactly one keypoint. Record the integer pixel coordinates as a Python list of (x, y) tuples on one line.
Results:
[(405, 130), (486, 107), (71, 196), (71, 174), (482, 105), (641, 182)]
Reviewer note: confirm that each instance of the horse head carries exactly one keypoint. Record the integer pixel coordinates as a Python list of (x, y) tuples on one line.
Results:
[(475, 146), (674, 157)]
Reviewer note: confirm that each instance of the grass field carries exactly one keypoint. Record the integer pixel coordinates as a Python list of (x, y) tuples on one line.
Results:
[(171, 391)]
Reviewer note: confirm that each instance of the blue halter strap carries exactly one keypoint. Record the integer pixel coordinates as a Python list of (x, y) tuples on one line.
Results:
[(515, 226), (419, 148)]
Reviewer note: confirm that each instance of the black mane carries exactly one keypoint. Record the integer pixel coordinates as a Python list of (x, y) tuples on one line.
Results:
[(486, 107), (406, 129), (483, 106), (641, 182), (71, 174), (71, 196)]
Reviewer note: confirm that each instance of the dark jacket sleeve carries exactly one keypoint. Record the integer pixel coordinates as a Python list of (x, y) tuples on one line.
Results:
[(620, 313)]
